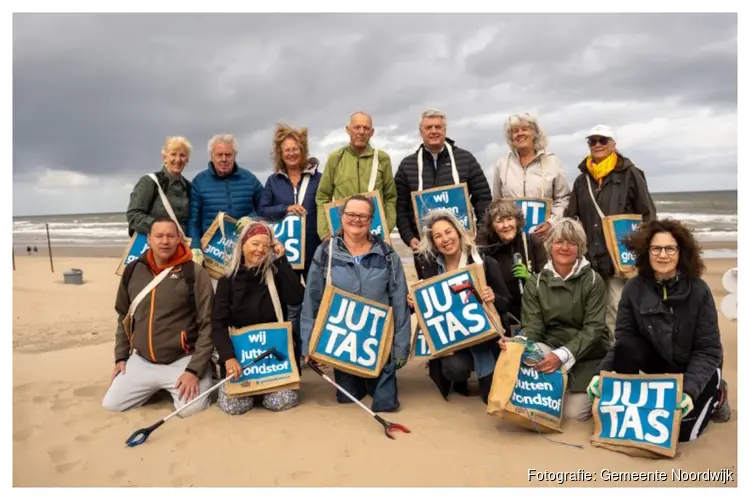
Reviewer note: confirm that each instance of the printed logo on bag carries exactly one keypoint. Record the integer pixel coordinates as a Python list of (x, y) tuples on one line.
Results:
[(217, 247), (249, 343), (454, 198), (622, 229), (638, 411), (290, 231), (352, 333), (451, 321), (539, 393), (378, 223), (535, 211)]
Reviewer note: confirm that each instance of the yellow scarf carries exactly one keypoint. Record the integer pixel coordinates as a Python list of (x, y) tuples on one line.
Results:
[(603, 168)]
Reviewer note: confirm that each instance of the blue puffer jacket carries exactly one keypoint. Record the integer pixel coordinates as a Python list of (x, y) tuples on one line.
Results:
[(372, 278), (237, 195), (279, 194)]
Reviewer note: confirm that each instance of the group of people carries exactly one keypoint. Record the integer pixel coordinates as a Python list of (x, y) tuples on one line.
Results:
[(557, 282)]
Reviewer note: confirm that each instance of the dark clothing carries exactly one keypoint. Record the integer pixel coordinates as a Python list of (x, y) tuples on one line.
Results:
[(635, 354), (623, 191), (279, 194), (682, 328), (383, 390), (146, 205), (503, 253), (455, 364), (407, 180), (244, 300)]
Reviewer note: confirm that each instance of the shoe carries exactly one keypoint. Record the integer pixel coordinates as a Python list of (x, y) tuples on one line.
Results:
[(723, 411)]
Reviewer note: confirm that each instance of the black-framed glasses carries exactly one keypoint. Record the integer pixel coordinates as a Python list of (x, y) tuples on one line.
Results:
[(669, 249), (601, 140), (351, 216)]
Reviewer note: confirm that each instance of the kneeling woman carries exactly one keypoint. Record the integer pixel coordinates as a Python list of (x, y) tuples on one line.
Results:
[(243, 299), (445, 247), (563, 312), (667, 323)]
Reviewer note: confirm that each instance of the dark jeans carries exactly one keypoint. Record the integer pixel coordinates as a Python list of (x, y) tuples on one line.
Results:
[(383, 390), (634, 354)]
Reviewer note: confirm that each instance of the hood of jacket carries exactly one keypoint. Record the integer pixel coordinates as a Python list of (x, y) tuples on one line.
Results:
[(214, 173), (181, 255), (581, 267), (311, 168)]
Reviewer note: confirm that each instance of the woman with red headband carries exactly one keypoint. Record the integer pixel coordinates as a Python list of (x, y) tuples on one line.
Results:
[(243, 298)]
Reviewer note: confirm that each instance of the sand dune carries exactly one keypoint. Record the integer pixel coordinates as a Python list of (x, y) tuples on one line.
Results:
[(62, 358)]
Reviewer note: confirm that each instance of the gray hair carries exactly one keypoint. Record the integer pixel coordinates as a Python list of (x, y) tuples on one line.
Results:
[(433, 113), (569, 230), (427, 247), (540, 138), (232, 259), (222, 139)]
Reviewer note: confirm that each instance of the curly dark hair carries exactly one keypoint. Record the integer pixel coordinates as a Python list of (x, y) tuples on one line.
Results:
[(689, 263), (486, 235)]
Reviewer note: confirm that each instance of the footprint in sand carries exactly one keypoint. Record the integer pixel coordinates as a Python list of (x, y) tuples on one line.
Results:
[(66, 467), (57, 454), (63, 404), (39, 399), (24, 433), (83, 438), (118, 474), (88, 391), (184, 480)]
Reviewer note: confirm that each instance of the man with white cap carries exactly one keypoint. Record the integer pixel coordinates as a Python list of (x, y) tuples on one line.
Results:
[(611, 183)]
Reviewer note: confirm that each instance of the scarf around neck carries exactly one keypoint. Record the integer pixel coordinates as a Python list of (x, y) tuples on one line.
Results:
[(600, 170)]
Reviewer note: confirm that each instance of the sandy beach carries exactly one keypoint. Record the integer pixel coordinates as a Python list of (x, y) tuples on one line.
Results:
[(62, 359)]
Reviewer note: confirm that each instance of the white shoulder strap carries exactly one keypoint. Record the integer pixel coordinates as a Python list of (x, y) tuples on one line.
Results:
[(420, 165), (464, 260), (543, 161), (330, 258), (373, 172), (526, 251), (167, 205), (591, 193), (271, 283), (302, 190), (154, 282)]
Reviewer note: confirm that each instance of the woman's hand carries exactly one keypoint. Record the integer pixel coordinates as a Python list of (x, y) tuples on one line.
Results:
[(233, 367), (278, 250), (488, 294), (549, 364), (296, 210), (409, 301)]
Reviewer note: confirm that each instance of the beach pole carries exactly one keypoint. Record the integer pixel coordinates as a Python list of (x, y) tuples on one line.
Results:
[(49, 248)]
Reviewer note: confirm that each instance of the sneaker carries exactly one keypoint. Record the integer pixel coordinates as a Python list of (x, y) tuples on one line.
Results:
[(723, 412)]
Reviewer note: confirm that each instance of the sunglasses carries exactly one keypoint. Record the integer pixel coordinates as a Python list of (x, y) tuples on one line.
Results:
[(601, 140)]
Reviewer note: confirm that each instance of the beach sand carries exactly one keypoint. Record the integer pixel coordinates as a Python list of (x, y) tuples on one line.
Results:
[(62, 360)]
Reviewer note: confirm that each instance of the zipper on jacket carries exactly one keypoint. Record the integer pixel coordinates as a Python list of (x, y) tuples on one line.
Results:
[(359, 187)]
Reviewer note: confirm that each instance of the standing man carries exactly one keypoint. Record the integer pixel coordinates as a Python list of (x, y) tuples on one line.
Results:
[(352, 170), (222, 187), (444, 164), (618, 187)]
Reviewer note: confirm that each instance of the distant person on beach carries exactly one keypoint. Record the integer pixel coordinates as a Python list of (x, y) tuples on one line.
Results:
[(562, 316), (437, 162), (361, 263), (244, 298), (166, 342), (667, 323), (351, 170), (223, 187), (501, 237), (146, 203), (529, 171), (28, 250), (444, 246), (36, 250), (619, 188)]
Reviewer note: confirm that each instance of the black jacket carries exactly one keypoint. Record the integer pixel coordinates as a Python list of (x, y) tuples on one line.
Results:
[(244, 300), (495, 280), (623, 191), (502, 253), (683, 328), (407, 180)]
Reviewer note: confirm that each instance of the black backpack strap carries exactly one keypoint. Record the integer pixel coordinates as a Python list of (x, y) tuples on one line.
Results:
[(127, 273), (188, 274)]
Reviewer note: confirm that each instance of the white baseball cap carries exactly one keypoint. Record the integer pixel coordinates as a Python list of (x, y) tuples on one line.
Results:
[(603, 131)]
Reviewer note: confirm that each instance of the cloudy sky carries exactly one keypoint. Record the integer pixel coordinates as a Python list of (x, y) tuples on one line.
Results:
[(94, 96)]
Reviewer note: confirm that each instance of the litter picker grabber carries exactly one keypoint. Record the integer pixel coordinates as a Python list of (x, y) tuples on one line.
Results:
[(388, 426), (141, 435), (468, 285)]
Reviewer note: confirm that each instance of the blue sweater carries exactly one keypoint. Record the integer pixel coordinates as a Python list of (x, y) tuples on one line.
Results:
[(237, 195), (279, 194)]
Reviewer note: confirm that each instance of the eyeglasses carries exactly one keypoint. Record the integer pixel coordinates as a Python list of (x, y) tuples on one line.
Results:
[(351, 216), (656, 250), (601, 140)]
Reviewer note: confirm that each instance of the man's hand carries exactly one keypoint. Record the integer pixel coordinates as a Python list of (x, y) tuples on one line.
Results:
[(401, 362), (414, 243), (198, 256), (296, 210), (409, 301), (119, 368), (188, 386), (542, 229), (549, 364), (488, 294), (233, 367), (520, 271), (320, 365)]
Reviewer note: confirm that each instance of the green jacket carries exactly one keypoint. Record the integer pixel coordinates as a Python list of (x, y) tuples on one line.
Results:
[(346, 174), (568, 313), (145, 203)]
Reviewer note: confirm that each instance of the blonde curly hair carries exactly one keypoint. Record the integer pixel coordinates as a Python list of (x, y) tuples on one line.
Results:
[(282, 133)]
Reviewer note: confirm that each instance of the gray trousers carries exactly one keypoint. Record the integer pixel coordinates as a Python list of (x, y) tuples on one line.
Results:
[(143, 379)]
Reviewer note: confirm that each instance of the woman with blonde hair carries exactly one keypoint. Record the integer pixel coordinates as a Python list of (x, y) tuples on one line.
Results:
[(244, 298), (165, 193), (529, 171), (446, 246)]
